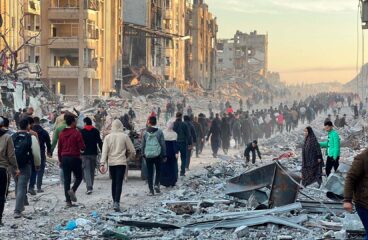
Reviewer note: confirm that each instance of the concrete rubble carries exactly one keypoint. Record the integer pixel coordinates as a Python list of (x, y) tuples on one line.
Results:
[(210, 203)]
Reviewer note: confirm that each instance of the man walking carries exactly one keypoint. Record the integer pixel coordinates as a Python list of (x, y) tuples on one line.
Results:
[(356, 185), (333, 148), (92, 140), (252, 147), (7, 160), (70, 147), (154, 149), (27, 151), (184, 140), (193, 137), (215, 134), (45, 143)]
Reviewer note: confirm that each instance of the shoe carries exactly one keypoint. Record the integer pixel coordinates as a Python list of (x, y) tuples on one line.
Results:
[(40, 190), (89, 192), (69, 204), (116, 207), (151, 193), (32, 192), (1, 224), (72, 196), (26, 203), (182, 174), (17, 215), (157, 189)]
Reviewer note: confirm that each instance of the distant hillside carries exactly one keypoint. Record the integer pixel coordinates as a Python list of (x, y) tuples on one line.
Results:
[(360, 81)]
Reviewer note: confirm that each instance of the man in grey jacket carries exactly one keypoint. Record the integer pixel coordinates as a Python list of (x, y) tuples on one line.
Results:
[(7, 160), (154, 150)]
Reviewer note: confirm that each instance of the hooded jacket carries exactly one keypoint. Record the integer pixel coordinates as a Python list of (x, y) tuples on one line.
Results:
[(160, 137), (70, 143), (332, 144), (117, 147), (92, 139), (7, 154)]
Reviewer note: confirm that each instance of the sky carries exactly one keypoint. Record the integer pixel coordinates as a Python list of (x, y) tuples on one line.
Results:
[(310, 41)]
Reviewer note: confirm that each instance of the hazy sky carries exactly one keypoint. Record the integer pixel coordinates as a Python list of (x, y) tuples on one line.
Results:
[(309, 40)]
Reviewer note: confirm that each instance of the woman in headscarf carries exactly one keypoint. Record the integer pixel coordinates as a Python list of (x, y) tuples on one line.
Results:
[(169, 169), (312, 161)]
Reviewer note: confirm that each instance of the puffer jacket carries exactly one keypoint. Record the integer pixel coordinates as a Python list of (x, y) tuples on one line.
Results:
[(332, 144), (356, 183), (117, 146)]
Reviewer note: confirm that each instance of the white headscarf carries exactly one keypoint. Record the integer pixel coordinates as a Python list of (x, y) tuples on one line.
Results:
[(169, 133)]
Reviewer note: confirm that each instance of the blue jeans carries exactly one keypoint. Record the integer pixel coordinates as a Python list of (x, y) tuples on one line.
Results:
[(363, 214), (38, 175), (21, 184)]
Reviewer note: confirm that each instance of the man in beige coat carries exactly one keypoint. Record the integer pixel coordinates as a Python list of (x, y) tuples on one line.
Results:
[(117, 149)]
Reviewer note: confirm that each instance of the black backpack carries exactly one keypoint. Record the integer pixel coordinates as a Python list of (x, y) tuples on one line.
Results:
[(23, 148)]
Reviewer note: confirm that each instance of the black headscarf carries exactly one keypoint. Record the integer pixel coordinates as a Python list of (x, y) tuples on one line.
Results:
[(311, 149)]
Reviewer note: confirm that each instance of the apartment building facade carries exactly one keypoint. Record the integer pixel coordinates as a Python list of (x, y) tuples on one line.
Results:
[(81, 46), (204, 38)]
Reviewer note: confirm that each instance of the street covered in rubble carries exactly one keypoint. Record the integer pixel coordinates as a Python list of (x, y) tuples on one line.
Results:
[(220, 198)]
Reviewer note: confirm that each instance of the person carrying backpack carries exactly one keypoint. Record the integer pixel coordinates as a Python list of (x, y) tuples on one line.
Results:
[(27, 150), (154, 150)]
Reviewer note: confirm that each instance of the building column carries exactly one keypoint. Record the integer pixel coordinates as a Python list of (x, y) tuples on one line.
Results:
[(81, 36)]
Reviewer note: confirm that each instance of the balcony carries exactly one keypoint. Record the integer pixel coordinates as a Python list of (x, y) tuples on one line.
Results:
[(63, 13), (63, 42), (63, 72), (70, 72), (31, 33), (32, 7)]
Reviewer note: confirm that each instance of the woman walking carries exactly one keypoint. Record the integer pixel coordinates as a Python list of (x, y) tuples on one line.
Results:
[(169, 169), (312, 162), (116, 151)]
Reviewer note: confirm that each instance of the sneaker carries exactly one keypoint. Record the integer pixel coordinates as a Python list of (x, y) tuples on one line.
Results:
[(151, 193), (89, 192), (116, 207), (32, 192), (72, 196), (182, 174), (17, 215), (40, 190), (157, 189), (69, 204)]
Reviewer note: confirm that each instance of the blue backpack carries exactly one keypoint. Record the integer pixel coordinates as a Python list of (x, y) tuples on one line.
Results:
[(153, 147)]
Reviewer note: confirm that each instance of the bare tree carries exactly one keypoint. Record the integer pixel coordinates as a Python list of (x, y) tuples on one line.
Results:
[(12, 54)]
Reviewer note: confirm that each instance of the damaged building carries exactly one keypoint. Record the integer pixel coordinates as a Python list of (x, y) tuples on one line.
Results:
[(81, 46)]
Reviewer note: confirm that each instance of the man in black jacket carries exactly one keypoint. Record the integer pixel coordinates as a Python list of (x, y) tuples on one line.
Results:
[(45, 144), (252, 147), (215, 134), (92, 140), (184, 140)]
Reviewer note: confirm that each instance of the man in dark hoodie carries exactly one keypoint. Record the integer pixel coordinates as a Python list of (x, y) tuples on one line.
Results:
[(7, 160), (70, 147), (200, 135), (92, 140), (184, 140), (45, 143), (193, 136), (154, 149), (215, 134)]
